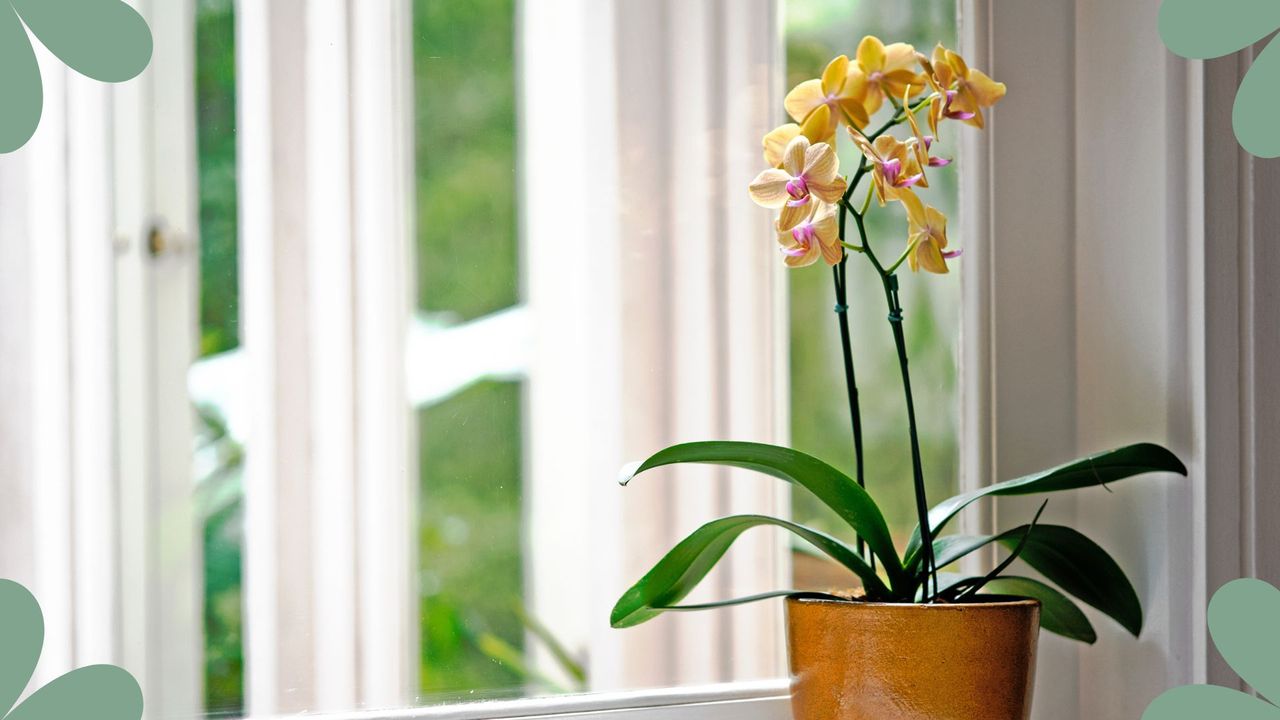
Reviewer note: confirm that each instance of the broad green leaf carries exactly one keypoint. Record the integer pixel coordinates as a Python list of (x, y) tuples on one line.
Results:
[(1242, 622), (748, 599), (1067, 558), (681, 569), (1016, 550), (1198, 702), (1082, 568), (1091, 471), (1057, 613), (835, 489)]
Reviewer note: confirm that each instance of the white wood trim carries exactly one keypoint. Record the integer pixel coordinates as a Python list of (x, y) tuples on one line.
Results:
[(174, 546), (91, 303), (330, 601), (577, 329), (1235, 326), (740, 701), (332, 363), (49, 345), (1088, 320), (386, 498)]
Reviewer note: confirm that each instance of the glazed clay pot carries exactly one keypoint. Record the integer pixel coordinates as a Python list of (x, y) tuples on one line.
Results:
[(853, 660)]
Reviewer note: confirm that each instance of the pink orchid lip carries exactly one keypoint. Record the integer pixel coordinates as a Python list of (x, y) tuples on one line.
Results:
[(939, 162), (891, 168), (799, 203), (804, 234), (928, 142), (798, 188), (794, 252), (952, 254), (908, 182)]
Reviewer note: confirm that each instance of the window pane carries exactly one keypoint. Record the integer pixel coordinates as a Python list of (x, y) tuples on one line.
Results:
[(816, 31), (219, 455)]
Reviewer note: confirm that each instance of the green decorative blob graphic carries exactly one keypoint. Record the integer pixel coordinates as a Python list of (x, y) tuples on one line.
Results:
[(1243, 621), (102, 692), (1198, 29), (105, 40), (1258, 103), (21, 94)]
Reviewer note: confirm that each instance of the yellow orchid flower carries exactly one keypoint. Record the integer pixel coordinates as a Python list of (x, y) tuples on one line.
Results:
[(886, 71), (894, 164), (817, 236), (922, 144), (775, 143), (808, 171), (926, 235), (840, 90), (961, 91)]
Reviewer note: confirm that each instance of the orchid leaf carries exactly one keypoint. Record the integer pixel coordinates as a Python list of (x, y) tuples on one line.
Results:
[(1065, 557), (681, 569), (835, 489), (1083, 569), (1091, 471), (1058, 614)]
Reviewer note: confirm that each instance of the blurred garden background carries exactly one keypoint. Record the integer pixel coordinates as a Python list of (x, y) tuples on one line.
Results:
[(468, 266)]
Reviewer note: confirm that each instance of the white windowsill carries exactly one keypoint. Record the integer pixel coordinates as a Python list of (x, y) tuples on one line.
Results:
[(764, 700)]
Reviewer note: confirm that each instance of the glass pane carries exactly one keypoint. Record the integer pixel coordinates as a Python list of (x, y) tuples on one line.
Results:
[(470, 435), (816, 31), (219, 455)]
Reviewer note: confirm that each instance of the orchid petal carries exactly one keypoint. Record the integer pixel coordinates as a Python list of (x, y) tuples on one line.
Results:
[(769, 189), (793, 156), (804, 99), (819, 126), (929, 258), (820, 163), (829, 192), (871, 54), (834, 75), (986, 92), (775, 142), (793, 215)]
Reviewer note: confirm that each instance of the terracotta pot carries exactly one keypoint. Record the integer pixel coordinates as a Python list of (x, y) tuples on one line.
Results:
[(853, 660)]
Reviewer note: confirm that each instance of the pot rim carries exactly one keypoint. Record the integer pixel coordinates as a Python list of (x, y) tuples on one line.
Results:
[(987, 601)]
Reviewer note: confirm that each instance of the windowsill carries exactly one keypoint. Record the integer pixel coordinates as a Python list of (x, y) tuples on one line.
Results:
[(761, 700)]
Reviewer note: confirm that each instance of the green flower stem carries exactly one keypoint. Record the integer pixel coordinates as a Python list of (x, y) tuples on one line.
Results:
[(890, 283), (850, 379)]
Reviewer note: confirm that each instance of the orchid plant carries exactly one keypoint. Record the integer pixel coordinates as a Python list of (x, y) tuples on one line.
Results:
[(814, 204)]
